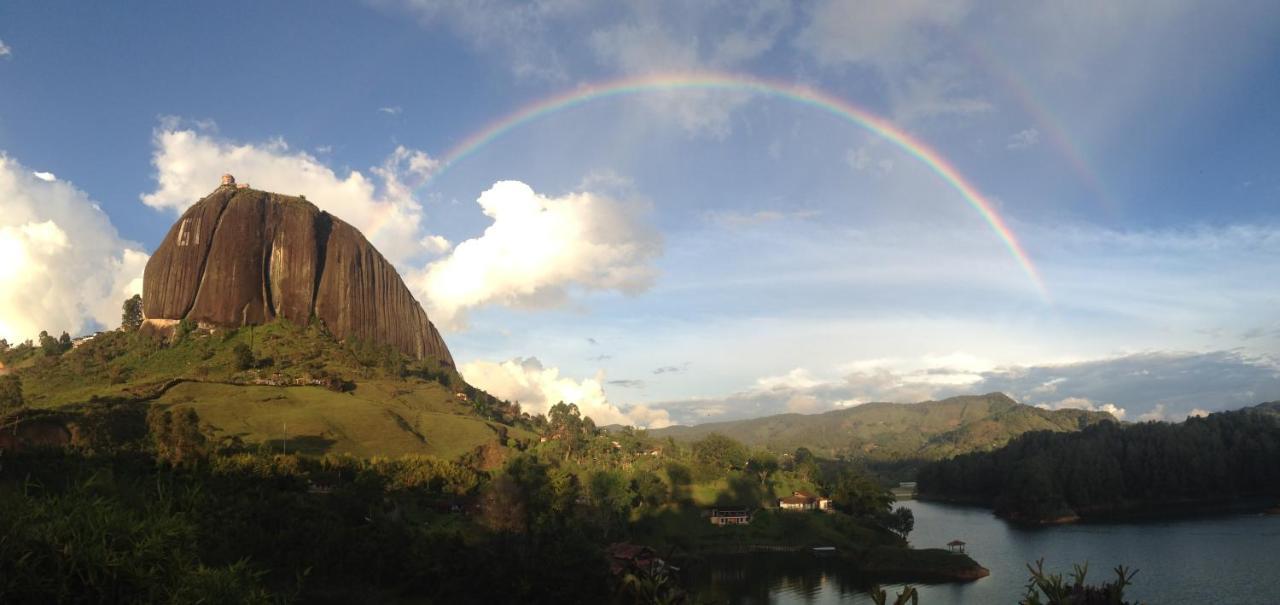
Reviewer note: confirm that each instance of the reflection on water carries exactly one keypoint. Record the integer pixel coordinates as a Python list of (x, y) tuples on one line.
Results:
[(776, 578), (1226, 559)]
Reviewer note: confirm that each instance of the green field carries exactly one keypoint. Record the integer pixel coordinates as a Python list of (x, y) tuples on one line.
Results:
[(374, 420), (389, 406)]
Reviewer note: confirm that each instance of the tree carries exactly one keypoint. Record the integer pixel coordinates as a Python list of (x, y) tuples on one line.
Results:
[(719, 451), (242, 355), (176, 435), (10, 393), (64, 343), (48, 344), (859, 494), (131, 315), (763, 464), (4, 345), (901, 521)]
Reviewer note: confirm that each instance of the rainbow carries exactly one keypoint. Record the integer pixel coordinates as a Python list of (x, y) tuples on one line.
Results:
[(732, 82), (1041, 117)]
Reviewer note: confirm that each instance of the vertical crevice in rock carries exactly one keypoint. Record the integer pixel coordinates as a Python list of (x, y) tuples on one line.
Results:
[(324, 226), (204, 259)]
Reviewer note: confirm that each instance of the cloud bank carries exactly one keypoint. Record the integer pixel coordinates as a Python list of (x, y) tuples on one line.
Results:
[(64, 265), (537, 388), (1142, 386)]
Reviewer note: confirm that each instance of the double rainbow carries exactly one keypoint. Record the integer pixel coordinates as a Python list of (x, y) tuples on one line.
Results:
[(781, 90)]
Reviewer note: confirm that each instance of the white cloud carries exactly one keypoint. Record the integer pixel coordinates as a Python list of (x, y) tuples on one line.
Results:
[(1197, 413), (189, 164), (5, 51), (850, 31), (735, 219), (393, 110), (1027, 137), (537, 388), (537, 249), (518, 32), (47, 177), (435, 244), (1157, 414), (65, 266), (1081, 403), (862, 160)]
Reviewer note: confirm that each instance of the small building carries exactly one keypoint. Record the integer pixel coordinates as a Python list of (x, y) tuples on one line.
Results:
[(228, 180), (956, 546), (730, 515), (804, 501), (796, 502)]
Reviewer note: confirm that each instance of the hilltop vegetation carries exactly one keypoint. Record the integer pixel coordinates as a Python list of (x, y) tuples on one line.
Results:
[(1224, 459), (890, 432), (276, 386)]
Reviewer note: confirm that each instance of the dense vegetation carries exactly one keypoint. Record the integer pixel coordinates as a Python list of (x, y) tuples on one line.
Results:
[(896, 438), (277, 386), (1108, 468), (148, 509), (194, 468)]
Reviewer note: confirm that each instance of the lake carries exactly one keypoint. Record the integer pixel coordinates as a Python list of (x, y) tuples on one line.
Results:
[(1222, 559)]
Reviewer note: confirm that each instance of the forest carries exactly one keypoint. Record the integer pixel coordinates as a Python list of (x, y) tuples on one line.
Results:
[(143, 507), (1220, 460)]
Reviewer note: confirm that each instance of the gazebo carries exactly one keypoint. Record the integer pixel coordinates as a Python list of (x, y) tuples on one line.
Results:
[(956, 546)]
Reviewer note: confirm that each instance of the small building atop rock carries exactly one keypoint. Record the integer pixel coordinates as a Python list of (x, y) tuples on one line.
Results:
[(228, 180)]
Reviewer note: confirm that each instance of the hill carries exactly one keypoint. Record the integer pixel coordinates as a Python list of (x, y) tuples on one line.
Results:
[(1223, 461), (930, 430), (280, 386)]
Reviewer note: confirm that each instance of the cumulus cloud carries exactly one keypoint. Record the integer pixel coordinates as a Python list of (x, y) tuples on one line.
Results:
[(1080, 403), (1027, 137), (537, 249), (537, 388), (47, 177), (64, 265), (189, 164)]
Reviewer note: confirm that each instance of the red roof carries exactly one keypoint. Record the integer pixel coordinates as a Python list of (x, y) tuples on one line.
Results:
[(797, 500)]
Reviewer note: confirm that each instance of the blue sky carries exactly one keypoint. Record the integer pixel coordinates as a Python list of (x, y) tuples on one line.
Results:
[(677, 256)]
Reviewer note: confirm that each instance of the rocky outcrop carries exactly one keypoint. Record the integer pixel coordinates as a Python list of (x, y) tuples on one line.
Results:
[(242, 257)]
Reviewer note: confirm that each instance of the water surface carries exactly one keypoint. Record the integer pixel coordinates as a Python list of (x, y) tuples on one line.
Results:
[(1221, 559)]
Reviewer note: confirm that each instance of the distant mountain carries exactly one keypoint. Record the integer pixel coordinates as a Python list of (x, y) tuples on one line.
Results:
[(1270, 407), (929, 430)]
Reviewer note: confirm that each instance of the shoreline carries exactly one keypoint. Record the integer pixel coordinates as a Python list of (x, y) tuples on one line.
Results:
[(880, 563), (1131, 512)]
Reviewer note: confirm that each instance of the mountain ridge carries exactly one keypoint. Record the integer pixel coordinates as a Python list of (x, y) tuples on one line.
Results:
[(892, 431)]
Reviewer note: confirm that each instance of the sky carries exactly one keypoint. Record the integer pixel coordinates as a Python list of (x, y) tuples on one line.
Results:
[(680, 212)]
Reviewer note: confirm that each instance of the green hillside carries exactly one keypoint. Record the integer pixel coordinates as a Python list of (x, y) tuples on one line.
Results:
[(277, 386), (930, 430)]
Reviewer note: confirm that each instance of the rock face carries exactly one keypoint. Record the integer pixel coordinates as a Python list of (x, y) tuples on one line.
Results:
[(241, 257)]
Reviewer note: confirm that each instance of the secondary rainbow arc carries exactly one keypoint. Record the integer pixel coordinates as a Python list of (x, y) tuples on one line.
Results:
[(732, 82)]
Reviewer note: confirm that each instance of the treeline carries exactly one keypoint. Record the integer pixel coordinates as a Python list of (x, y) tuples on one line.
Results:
[(1109, 468)]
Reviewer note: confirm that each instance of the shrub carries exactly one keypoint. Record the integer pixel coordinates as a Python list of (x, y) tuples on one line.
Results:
[(242, 356)]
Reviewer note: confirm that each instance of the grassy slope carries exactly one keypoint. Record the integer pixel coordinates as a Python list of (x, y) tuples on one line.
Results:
[(382, 417), (374, 420), (929, 430)]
